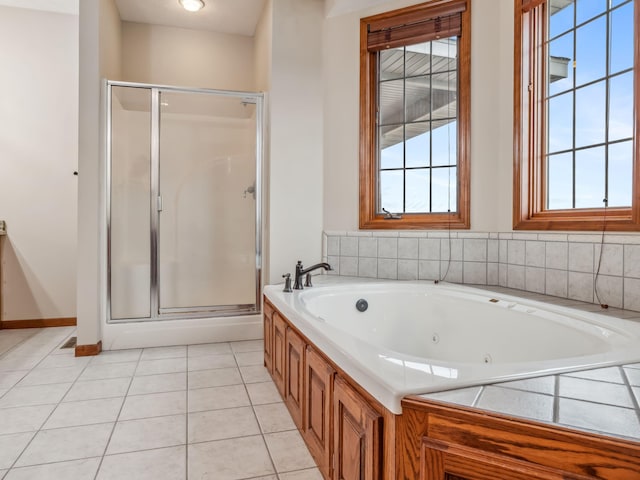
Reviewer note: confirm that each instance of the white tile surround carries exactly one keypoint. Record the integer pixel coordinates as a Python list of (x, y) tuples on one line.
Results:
[(604, 400), (191, 412), (561, 265)]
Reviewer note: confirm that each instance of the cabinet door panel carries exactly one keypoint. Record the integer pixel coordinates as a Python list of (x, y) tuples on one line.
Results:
[(317, 416), (267, 325), (356, 447), (294, 380), (445, 461), (279, 332)]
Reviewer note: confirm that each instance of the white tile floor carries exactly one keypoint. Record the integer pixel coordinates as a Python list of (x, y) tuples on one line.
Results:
[(202, 412)]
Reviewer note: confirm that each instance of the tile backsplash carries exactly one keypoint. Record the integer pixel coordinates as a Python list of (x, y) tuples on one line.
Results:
[(562, 265)]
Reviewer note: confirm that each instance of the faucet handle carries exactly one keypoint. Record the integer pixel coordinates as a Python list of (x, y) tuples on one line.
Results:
[(307, 281), (287, 283)]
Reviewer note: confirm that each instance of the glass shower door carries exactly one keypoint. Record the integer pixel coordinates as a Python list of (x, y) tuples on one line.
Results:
[(129, 203), (207, 203)]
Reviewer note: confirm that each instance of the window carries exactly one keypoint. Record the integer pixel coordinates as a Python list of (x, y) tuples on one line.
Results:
[(415, 116), (576, 98)]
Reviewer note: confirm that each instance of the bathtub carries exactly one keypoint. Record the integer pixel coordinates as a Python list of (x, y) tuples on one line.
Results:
[(419, 337)]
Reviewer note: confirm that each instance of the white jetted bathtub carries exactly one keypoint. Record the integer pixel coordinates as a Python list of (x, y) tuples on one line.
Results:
[(419, 337)]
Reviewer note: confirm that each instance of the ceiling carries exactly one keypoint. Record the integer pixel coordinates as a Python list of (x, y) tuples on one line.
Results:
[(334, 8), (238, 17), (59, 6)]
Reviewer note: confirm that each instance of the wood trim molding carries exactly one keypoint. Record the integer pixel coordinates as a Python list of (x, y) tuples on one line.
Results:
[(414, 14), (38, 323), (529, 136), (88, 350), (369, 218), (516, 444)]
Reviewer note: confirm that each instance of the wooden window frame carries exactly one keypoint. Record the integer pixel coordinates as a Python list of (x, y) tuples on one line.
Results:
[(369, 217), (529, 135)]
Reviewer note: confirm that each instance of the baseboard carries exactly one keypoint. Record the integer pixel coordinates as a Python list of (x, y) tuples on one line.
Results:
[(38, 323), (88, 350)]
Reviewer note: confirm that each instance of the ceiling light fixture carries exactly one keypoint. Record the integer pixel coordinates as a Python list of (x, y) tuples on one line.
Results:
[(192, 5)]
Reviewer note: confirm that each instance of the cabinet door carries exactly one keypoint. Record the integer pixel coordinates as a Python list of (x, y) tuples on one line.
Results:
[(445, 461), (279, 332), (317, 414), (267, 324), (357, 429), (294, 379)]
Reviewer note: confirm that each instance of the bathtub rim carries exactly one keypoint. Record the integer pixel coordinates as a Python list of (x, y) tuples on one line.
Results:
[(389, 392)]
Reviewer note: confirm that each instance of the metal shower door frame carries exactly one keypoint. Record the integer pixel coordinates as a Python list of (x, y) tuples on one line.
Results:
[(156, 313)]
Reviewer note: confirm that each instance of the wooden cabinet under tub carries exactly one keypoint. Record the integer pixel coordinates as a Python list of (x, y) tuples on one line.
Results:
[(340, 423), (445, 442), (267, 325), (352, 436), (356, 435), (316, 429), (294, 375), (278, 359)]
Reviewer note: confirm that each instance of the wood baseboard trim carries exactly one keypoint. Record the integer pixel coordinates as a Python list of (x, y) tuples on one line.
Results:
[(38, 323), (88, 350)]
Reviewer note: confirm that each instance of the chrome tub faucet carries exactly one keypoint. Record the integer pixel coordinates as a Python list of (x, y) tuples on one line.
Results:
[(300, 271)]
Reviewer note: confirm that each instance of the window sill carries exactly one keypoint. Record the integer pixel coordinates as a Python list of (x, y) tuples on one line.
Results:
[(616, 219), (409, 221)]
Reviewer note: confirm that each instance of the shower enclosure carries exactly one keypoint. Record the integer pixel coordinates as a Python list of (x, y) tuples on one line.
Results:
[(183, 202)]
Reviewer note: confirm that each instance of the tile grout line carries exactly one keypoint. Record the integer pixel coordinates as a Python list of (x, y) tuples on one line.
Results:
[(52, 463), (50, 352), (10, 349), (158, 448), (556, 399), (634, 400), (478, 396), (262, 433), (115, 423), (522, 389), (126, 395), (36, 432)]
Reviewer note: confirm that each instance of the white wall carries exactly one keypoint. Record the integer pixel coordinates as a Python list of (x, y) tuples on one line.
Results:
[(341, 93), (296, 140), (110, 40), (504, 177), (491, 107), (38, 154), (184, 57), (98, 60), (262, 45)]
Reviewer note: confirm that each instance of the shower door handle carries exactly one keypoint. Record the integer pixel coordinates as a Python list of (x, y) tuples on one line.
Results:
[(159, 203), (251, 189)]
